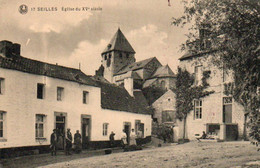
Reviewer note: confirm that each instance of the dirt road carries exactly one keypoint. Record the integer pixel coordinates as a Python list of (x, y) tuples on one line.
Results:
[(193, 154)]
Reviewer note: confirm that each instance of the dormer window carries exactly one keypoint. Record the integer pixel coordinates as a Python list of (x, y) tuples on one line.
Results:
[(109, 46)]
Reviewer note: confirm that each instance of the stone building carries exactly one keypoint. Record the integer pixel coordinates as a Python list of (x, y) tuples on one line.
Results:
[(217, 114), (37, 97)]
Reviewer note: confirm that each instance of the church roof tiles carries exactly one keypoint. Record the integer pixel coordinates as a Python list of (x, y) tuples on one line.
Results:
[(119, 43), (135, 66)]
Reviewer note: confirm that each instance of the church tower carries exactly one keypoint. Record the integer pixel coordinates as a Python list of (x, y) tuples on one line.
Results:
[(118, 54)]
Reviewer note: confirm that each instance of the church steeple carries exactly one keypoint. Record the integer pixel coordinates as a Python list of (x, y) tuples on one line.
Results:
[(119, 43), (117, 54)]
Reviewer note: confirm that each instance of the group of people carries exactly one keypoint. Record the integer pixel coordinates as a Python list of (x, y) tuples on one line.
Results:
[(128, 140), (68, 142)]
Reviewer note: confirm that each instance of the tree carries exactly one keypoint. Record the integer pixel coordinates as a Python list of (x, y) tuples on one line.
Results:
[(230, 30), (186, 92)]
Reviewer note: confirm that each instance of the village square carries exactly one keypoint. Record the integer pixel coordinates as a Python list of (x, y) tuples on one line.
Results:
[(131, 102)]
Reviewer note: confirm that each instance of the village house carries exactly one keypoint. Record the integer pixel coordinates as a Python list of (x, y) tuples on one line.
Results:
[(119, 66), (217, 114), (37, 97)]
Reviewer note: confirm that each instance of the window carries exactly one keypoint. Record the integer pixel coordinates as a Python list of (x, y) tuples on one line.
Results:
[(39, 126), (163, 84), (127, 55), (167, 116), (40, 91), (1, 85), (105, 129), (137, 123), (198, 74), (227, 100), (60, 93), (120, 55), (197, 109), (85, 97), (105, 57), (2, 124)]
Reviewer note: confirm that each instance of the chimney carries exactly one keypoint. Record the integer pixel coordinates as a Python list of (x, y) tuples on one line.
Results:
[(16, 49), (129, 85), (8, 49)]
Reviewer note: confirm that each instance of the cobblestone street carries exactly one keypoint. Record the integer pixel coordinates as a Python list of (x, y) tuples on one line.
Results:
[(193, 154)]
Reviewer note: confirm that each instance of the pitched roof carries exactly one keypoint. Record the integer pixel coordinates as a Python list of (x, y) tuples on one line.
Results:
[(149, 82), (135, 65), (31, 66), (119, 43), (163, 71), (139, 97), (189, 55), (166, 95), (114, 97)]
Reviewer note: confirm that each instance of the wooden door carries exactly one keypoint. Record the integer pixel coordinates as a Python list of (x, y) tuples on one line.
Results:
[(85, 132), (227, 113)]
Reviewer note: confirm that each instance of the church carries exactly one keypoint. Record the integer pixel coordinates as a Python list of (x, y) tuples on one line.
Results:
[(119, 66)]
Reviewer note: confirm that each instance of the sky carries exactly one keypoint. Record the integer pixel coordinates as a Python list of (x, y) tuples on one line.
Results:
[(78, 37)]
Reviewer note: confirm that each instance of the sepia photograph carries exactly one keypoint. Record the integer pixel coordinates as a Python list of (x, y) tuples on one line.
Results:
[(129, 83)]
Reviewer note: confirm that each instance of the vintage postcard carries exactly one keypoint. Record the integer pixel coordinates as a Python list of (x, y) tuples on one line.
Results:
[(128, 83)]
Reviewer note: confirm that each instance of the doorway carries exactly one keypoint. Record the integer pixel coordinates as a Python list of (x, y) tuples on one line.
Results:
[(127, 129), (86, 130), (227, 109), (60, 126)]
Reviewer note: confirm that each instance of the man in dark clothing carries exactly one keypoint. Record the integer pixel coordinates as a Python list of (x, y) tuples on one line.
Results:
[(68, 142), (54, 139), (204, 136), (77, 141), (112, 139)]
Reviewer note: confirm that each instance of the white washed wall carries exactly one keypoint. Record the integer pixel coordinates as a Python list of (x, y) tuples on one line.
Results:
[(20, 103)]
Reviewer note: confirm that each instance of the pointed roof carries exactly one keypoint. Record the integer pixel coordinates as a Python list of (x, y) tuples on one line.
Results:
[(136, 65), (119, 43), (168, 93), (163, 71)]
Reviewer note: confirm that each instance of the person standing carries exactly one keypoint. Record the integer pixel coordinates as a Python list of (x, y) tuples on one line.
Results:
[(124, 140), (112, 139), (54, 139), (77, 141), (68, 142), (132, 138)]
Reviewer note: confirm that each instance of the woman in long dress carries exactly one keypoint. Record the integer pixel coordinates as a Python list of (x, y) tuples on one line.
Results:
[(132, 138), (77, 141)]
